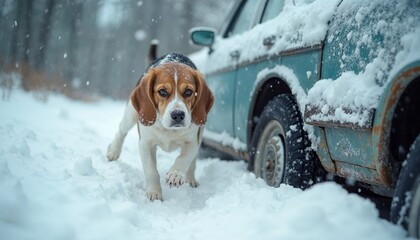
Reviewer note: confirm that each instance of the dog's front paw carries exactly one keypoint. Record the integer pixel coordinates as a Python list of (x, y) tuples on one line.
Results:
[(193, 183), (114, 151), (175, 178), (154, 196)]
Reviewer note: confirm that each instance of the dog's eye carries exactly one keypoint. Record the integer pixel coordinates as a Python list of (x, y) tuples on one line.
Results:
[(163, 93), (188, 93)]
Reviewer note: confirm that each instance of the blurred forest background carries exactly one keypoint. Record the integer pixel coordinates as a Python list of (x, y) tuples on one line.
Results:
[(92, 48)]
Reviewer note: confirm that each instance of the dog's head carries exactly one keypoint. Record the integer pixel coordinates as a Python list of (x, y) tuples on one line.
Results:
[(174, 94)]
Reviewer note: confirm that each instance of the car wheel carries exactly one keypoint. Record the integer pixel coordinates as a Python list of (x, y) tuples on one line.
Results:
[(405, 208), (280, 150)]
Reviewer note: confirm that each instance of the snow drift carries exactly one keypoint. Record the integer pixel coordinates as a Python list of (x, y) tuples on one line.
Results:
[(56, 183)]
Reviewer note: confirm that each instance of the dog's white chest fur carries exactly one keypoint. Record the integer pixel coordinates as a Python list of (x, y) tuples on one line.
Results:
[(168, 140)]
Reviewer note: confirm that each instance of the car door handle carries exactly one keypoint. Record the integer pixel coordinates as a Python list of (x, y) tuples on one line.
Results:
[(269, 41), (235, 54)]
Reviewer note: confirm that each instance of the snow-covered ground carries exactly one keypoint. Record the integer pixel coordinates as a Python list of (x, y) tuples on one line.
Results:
[(56, 183)]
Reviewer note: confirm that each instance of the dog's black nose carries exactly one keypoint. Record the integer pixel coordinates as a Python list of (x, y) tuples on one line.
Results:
[(177, 116)]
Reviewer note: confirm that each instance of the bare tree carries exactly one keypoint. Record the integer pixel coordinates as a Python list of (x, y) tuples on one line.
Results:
[(27, 14), (103, 44), (44, 36), (76, 8), (15, 40)]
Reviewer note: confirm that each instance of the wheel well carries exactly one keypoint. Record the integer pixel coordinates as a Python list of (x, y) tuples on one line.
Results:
[(405, 123), (265, 92)]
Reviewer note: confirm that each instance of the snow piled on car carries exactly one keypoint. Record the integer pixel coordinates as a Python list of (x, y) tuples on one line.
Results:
[(302, 23), (56, 183), (390, 38), (365, 68)]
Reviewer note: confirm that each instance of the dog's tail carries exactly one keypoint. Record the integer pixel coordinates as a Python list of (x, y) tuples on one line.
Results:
[(152, 56)]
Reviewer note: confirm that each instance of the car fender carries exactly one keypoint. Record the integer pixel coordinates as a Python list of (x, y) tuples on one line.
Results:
[(384, 115), (278, 73)]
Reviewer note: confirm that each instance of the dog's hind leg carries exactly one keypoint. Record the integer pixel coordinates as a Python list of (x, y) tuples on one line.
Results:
[(128, 121)]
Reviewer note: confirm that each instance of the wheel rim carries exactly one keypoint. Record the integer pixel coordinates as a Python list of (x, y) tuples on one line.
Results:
[(414, 217), (270, 156)]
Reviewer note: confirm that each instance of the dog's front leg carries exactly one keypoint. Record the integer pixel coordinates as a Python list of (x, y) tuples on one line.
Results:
[(183, 169), (148, 159), (190, 176), (127, 122)]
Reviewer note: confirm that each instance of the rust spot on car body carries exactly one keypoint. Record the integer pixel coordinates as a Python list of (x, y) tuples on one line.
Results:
[(382, 129), (323, 153)]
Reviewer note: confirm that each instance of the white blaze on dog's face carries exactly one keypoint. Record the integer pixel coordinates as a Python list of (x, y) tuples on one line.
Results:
[(173, 94)]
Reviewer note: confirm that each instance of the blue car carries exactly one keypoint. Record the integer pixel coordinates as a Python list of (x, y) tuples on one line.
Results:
[(308, 87)]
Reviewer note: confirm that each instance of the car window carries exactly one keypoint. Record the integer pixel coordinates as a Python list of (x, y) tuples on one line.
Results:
[(243, 18), (272, 9)]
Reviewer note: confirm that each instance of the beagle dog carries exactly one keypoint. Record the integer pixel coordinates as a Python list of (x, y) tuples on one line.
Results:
[(170, 106)]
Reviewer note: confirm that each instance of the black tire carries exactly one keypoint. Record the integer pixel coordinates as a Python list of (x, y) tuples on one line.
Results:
[(280, 150), (405, 208)]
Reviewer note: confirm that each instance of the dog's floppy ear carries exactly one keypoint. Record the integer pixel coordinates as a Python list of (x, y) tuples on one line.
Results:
[(204, 100), (142, 99)]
